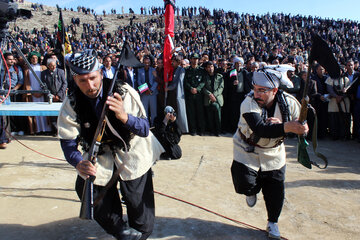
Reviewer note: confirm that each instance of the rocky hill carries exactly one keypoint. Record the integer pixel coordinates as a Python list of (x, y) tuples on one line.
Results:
[(50, 16)]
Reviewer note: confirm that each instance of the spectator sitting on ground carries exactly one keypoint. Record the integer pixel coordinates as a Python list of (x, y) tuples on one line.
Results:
[(168, 133)]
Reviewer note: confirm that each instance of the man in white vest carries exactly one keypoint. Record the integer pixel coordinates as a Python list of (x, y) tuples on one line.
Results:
[(127, 145), (267, 115)]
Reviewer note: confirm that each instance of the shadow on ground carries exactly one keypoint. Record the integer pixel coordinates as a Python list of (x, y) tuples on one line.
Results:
[(40, 138), (342, 156), (165, 228), (60, 164), (36, 193), (323, 183)]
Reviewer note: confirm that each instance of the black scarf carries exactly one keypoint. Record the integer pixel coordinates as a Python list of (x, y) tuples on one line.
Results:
[(88, 119)]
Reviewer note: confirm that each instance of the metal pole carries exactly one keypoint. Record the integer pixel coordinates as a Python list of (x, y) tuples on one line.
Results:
[(42, 85), (2, 44)]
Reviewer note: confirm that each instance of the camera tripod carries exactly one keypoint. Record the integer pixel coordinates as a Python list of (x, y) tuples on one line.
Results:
[(4, 42)]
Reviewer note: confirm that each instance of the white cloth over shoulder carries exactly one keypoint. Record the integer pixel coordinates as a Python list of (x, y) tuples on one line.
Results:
[(266, 157), (340, 84), (143, 153)]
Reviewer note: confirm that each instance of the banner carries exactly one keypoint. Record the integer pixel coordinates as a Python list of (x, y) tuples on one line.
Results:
[(62, 39), (169, 33)]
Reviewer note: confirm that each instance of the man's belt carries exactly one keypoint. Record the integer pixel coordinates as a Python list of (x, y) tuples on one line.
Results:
[(252, 143)]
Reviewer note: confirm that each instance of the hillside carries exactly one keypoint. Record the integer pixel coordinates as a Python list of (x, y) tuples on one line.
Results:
[(41, 19), (221, 34)]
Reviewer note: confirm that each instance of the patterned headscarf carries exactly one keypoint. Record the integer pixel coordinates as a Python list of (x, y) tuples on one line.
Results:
[(84, 62)]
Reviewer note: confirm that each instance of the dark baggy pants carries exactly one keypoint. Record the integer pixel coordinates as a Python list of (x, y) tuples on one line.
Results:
[(138, 195), (249, 182), (322, 116), (195, 113), (339, 125)]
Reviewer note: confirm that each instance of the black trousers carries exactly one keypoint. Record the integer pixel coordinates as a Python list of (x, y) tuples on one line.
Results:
[(322, 115), (138, 195), (195, 113), (249, 182), (339, 125)]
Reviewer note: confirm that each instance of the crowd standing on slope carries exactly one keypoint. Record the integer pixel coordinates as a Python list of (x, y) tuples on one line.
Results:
[(213, 70)]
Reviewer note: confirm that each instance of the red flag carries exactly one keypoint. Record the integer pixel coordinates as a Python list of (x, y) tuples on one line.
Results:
[(169, 32), (169, 17)]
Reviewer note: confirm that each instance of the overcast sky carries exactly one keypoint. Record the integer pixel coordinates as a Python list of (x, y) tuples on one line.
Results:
[(349, 9)]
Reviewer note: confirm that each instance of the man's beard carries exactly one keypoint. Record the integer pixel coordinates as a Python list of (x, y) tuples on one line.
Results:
[(94, 92), (260, 102), (91, 91)]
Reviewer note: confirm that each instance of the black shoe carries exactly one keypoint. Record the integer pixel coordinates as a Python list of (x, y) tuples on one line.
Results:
[(48, 133), (165, 156), (128, 234), (193, 133), (201, 134)]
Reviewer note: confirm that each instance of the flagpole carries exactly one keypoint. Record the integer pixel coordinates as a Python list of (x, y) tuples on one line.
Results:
[(167, 77), (62, 38), (63, 45)]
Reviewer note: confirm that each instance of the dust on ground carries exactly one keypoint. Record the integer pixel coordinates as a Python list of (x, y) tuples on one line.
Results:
[(38, 201)]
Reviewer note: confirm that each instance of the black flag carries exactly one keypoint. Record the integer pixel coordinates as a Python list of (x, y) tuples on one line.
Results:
[(60, 36), (321, 52), (127, 57)]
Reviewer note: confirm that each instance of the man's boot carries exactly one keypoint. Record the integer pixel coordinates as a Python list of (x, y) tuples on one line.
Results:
[(128, 233)]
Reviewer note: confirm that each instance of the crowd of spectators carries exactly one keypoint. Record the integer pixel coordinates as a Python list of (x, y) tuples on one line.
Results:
[(220, 34), (222, 41), (37, 7)]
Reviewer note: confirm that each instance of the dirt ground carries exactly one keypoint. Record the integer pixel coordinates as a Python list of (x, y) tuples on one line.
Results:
[(38, 201)]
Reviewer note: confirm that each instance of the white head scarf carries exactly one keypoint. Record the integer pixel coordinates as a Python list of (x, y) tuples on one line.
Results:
[(272, 75)]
